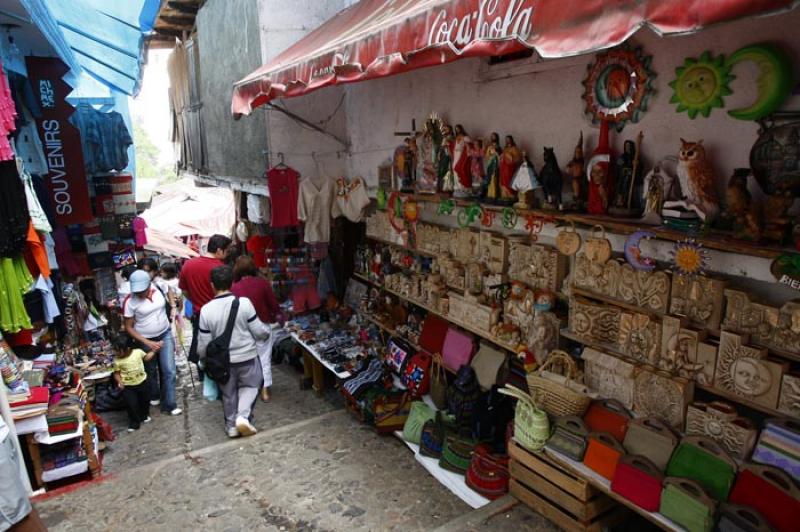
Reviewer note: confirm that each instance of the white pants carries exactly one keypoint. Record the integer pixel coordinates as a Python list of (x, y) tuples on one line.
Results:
[(264, 348)]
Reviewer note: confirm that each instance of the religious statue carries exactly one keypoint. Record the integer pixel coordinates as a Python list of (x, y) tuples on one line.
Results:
[(741, 214), (629, 177), (525, 182), (552, 180), (445, 161), (462, 185), (476, 169), (510, 160), (576, 169), (403, 166), (428, 156), (491, 160), (600, 179)]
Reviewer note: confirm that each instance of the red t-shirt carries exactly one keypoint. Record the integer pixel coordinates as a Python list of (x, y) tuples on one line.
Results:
[(196, 279), (259, 292), (282, 184), (257, 246)]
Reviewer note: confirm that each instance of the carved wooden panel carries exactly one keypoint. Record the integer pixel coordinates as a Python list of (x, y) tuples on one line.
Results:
[(698, 298), (640, 337), (777, 328), (735, 434), (790, 395), (431, 237), (494, 251), (465, 244), (378, 227), (616, 280), (609, 376), (658, 394), (745, 371), (679, 349), (536, 265), (707, 359), (453, 273), (594, 322)]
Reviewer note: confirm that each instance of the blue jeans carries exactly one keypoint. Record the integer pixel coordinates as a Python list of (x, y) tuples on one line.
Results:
[(163, 366)]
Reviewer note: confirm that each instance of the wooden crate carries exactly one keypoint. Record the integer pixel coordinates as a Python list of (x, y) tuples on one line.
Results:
[(568, 501)]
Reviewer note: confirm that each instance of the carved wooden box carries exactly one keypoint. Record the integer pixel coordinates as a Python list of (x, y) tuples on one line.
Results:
[(746, 371), (707, 362), (699, 299), (609, 376), (536, 265), (459, 307), (594, 322), (430, 238), (679, 348), (465, 244), (790, 395), (658, 394), (640, 337), (768, 326), (720, 422), (619, 281), (494, 252), (453, 273)]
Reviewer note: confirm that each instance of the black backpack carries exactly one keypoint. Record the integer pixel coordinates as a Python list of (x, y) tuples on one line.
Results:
[(462, 398), (218, 354)]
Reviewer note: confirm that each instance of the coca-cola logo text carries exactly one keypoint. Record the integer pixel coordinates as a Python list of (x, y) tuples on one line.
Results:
[(487, 22)]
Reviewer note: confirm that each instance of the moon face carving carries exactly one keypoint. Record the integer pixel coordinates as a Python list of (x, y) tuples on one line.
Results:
[(774, 80), (633, 253)]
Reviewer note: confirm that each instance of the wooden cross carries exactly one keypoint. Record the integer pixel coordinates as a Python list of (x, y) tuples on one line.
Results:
[(410, 134)]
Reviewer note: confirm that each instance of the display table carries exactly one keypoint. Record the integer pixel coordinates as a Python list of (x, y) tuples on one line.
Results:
[(315, 366)]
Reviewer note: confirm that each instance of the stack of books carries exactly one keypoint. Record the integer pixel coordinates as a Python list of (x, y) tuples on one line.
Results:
[(34, 403), (64, 417)]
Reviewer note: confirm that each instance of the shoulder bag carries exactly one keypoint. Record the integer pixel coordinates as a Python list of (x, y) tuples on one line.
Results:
[(770, 491), (438, 382), (685, 502), (703, 460), (218, 355), (652, 438)]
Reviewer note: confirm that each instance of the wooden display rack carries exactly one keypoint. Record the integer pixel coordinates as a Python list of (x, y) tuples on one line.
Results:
[(567, 500)]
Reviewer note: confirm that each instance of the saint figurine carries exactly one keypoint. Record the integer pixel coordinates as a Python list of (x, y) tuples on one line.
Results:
[(427, 157), (510, 161), (476, 170), (445, 161), (461, 168), (599, 169), (525, 182), (628, 180), (576, 169), (491, 158)]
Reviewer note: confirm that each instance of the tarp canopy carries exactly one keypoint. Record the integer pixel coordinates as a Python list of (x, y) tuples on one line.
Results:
[(183, 209), (376, 38), (167, 245), (105, 37)]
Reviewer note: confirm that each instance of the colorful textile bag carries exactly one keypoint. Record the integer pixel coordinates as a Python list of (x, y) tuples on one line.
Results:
[(531, 426), (738, 518), (434, 330), (687, 504), (438, 382), (488, 473), (770, 491), (705, 462), (462, 397), (602, 454), (386, 410), (779, 446), (398, 351), (431, 439), (652, 438), (608, 415), (457, 453), (417, 374), (487, 364), (420, 414), (569, 437), (457, 349), (638, 480)]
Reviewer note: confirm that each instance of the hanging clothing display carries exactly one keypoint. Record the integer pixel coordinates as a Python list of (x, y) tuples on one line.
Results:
[(257, 247), (15, 279), (258, 209), (36, 255), (38, 216), (49, 305), (8, 114), (314, 207), (28, 146), (351, 199), (104, 139), (282, 185), (14, 215)]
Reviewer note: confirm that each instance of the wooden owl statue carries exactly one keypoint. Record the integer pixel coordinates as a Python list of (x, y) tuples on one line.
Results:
[(697, 180)]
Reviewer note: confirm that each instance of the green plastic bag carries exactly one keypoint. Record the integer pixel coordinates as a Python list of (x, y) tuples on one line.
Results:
[(420, 413)]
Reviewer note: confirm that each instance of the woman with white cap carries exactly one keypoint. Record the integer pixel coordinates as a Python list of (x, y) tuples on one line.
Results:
[(146, 313)]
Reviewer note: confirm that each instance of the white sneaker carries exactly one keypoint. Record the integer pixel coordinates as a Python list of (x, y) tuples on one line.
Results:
[(244, 427), (175, 412), (233, 432), (148, 419), (131, 429), (155, 402)]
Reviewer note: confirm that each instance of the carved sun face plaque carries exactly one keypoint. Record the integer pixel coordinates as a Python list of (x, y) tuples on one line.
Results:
[(742, 369)]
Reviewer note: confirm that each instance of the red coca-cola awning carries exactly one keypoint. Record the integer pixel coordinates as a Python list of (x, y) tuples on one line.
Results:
[(377, 38)]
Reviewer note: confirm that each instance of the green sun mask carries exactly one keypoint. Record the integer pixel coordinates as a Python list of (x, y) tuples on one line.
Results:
[(700, 84)]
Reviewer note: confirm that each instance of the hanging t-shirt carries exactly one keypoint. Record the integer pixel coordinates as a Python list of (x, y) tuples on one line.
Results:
[(351, 199), (36, 255), (258, 209), (14, 214), (257, 246), (314, 208), (282, 184)]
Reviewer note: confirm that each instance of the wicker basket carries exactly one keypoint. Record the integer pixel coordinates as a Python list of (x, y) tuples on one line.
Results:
[(559, 394), (531, 426)]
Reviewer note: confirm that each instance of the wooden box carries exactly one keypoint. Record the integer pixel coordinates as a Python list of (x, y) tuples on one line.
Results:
[(609, 376), (619, 281), (459, 307), (558, 494), (790, 395), (699, 299), (594, 322), (658, 394), (536, 265), (465, 244), (747, 372), (768, 326), (494, 252)]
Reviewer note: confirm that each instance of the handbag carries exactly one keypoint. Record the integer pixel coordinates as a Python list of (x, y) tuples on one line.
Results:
[(687, 504), (704, 461), (218, 356), (390, 411), (608, 415), (652, 438), (462, 396), (779, 446), (603, 452), (438, 382), (434, 330), (457, 349), (638, 480), (431, 439), (569, 437), (487, 363), (398, 351), (770, 491), (419, 414), (416, 374), (738, 518), (559, 394), (720, 422), (488, 473), (457, 453), (493, 412), (531, 426)]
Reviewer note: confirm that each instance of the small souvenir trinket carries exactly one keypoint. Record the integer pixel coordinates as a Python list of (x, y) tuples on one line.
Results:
[(689, 258), (575, 169), (568, 240), (598, 248), (633, 252), (552, 180), (599, 174)]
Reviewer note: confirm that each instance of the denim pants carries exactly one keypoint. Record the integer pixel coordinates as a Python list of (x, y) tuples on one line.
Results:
[(161, 373)]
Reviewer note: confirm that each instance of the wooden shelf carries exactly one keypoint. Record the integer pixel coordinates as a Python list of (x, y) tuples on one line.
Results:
[(717, 240), (743, 401)]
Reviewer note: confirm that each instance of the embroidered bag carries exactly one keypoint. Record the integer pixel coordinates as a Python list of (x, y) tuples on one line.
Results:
[(462, 396), (685, 502), (398, 351), (652, 438), (457, 453), (438, 382), (417, 374), (779, 446), (608, 415), (487, 364), (738, 518), (569, 437), (488, 473), (492, 414), (434, 330), (420, 414)]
